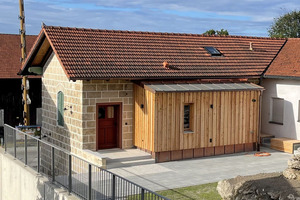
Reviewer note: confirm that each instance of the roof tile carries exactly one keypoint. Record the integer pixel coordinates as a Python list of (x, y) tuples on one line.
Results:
[(10, 54), (99, 54), (287, 62)]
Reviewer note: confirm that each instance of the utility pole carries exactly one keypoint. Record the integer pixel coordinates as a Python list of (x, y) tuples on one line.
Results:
[(25, 82)]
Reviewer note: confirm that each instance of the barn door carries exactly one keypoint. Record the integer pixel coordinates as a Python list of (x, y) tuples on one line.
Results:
[(108, 126)]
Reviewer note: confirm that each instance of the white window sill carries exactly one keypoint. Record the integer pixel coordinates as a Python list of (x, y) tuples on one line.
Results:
[(188, 131)]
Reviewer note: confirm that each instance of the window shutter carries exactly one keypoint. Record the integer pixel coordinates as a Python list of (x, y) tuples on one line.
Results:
[(60, 108)]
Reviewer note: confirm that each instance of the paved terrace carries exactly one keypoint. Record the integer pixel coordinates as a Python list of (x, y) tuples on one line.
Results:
[(138, 167)]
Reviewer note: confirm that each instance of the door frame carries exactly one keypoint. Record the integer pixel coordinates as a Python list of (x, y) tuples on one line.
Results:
[(119, 122)]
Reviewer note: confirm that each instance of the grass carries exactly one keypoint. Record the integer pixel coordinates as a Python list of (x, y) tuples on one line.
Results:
[(197, 192)]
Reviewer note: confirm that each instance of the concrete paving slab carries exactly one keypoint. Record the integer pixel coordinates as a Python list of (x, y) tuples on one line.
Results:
[(169, 175)]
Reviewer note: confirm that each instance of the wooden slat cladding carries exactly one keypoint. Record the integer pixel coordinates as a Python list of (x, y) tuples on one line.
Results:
[(217, 119), (144, 121)]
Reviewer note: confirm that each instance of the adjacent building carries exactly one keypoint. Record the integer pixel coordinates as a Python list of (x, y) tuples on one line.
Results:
[(10, 82), (281, 98)]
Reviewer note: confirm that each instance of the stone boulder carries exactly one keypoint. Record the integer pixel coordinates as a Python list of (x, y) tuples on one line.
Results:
[(272, 186), (293, 170)]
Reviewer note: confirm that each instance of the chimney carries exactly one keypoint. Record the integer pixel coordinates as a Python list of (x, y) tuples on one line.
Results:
[(251, 46), (166, 64)]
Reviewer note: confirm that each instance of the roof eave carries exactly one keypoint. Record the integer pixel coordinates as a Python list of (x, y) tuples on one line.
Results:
[(281, 77), (35, 48), (167, 78)]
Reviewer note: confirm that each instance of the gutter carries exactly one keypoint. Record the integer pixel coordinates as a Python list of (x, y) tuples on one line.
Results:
[(282, 77), (259, 121)]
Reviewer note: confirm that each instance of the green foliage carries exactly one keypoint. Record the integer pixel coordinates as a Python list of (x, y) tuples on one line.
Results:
[(197, 192), (205, 191), (210, 32), (216, 32), (286, 26)]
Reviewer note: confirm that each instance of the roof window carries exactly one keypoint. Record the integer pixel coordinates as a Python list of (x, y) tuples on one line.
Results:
[(213, 51)]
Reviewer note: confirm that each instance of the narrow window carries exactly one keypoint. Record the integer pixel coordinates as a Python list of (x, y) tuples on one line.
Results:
[(188, 117), (60, 108), (299, 111), (277, 110), (187, 109)]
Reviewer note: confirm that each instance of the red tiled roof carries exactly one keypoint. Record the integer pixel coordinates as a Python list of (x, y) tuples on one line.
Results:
[(287, 62), (101, 54), (10, 54)]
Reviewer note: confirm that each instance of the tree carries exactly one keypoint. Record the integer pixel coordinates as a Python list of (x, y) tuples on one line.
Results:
[(216, 32), (286, 26)]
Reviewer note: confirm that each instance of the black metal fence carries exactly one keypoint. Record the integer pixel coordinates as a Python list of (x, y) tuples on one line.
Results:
[(78, 176)]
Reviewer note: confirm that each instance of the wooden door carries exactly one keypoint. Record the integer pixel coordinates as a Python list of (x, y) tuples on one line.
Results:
[(108, 126)]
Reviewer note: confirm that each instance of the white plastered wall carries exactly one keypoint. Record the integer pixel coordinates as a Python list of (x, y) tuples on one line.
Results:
[(289, 90)]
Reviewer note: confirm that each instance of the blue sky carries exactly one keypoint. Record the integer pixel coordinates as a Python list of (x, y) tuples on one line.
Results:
[(243, 17)]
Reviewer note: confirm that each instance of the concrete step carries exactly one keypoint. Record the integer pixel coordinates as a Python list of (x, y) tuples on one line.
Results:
[(116, 158)]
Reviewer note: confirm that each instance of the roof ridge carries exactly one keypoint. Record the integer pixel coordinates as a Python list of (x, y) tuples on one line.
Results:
[(15, 34), (160, 33)]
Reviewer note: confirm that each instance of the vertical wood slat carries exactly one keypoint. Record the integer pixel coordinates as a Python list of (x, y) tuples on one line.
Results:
[(159, 126)]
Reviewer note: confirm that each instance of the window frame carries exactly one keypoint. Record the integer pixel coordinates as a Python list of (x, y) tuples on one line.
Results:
[(298, 110), (272, 112), (60, 109), (190, 129)]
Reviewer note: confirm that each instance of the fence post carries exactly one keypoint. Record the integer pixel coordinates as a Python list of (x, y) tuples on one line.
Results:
[(15, 142), (90, 183), (143, 194), (113, 192), (25, 150), (70, 174), (52, 165), (39, 155)]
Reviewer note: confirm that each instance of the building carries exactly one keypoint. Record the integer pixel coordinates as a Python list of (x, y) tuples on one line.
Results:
[(176, 96), (10, 90), (281, 99)]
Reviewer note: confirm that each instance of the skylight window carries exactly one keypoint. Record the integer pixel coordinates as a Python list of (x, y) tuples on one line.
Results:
[(213, 51)]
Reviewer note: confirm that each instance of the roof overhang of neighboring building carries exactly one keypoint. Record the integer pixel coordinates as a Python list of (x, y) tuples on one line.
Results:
[(286, 64), (10, 55), (282, 77), (201, 87)]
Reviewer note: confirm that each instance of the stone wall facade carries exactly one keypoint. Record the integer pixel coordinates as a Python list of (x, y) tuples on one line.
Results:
[(70, 135), (80, 100), (54, 80), (107, 91)]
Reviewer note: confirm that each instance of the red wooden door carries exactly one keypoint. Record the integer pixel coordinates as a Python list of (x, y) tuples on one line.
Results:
[(107, 127)]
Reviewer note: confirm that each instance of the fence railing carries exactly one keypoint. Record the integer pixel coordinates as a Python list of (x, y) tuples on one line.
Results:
[(77, 175)]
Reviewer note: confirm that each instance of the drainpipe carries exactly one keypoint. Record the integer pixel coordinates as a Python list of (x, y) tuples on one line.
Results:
[(259, 122)]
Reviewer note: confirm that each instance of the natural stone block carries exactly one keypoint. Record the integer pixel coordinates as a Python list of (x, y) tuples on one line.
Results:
[(115, 86), (86, 116), (89, 87), (110, 94), (125, 93), (91, 109), (128, 86), (91, 124), (102, 87), (128, 108), (93, 94)]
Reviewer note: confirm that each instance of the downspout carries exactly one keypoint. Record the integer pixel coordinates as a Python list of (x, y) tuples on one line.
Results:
[(259, 121)]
